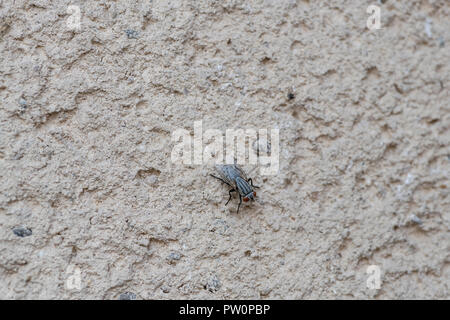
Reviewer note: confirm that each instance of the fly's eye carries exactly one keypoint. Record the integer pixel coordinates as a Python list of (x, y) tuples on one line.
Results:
[(245, 199), (254, 193)]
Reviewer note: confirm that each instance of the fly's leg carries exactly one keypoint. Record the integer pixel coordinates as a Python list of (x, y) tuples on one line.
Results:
[(251, 183), (240, 202), (229, 192), (221, 180)]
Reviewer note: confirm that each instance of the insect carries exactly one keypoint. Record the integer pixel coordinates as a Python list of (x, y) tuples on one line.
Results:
[(236, 178)]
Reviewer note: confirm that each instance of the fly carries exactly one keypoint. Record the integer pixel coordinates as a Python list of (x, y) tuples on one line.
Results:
[(235, 177)]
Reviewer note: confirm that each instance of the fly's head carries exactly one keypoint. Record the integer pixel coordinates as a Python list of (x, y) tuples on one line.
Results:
[(249, 196)]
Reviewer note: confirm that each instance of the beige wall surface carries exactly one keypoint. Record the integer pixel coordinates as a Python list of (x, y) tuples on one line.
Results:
[(93, 207)]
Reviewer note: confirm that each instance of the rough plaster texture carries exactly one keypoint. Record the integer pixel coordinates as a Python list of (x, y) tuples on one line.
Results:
[(85, 142)]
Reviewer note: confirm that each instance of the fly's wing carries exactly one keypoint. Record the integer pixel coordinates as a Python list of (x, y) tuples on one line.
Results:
[(226, 173), (240, 171), (229, 173)]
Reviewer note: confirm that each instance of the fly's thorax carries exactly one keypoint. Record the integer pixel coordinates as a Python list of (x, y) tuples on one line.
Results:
[(243, 187)]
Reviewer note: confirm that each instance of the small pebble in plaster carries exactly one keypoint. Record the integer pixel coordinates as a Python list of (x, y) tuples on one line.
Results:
[(415, 219), (213, 284), (173, 257), (132, 34), (262, 145), (22, 232), (127, 296)]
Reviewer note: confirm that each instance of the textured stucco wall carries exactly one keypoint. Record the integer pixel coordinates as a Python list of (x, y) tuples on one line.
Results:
[(87, 184)]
